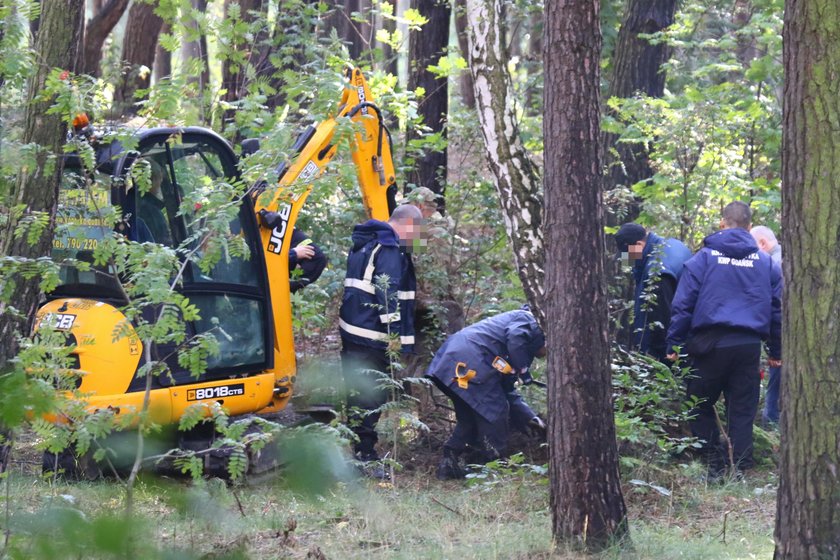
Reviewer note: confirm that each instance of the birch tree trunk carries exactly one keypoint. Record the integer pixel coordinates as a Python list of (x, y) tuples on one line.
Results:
[(807, 520), (517, 179), (587, 506)]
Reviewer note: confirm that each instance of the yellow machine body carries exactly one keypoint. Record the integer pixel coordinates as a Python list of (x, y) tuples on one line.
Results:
[(109, 364)]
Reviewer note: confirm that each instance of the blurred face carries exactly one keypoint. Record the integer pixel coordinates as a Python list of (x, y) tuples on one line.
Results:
[(763, 244), (634, 252), (413, 234)]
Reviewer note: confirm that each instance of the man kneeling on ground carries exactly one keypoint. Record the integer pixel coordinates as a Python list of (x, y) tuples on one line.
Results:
[(477, 368)]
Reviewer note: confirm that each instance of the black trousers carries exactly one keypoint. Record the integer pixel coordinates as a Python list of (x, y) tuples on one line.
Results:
[(472, 431), (733, 371), (363, 368)]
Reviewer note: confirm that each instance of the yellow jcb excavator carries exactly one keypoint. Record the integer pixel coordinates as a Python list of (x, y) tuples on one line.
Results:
[(246, 301)]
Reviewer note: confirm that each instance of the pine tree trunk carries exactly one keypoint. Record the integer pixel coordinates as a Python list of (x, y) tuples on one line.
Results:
[(425, 48), (636, 69), (58, 46), (517, 179), (97, 30), (139, 45), (807, 522), (586, 501)]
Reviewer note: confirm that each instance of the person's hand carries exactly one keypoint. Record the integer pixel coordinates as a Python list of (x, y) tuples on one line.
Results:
[(772, 362), (672, 356), (303, 252)]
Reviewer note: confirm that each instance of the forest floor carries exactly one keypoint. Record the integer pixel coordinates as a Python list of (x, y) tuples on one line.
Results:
[(673, 514)]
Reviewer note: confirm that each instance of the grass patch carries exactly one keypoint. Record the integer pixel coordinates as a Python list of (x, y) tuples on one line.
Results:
[(419, 518)]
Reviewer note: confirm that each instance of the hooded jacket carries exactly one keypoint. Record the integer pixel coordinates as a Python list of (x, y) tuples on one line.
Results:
[(513, 336), (732, 286), (663, 260), (367, 315)]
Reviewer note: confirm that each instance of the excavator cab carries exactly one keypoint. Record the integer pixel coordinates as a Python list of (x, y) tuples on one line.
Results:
[(232, 298)]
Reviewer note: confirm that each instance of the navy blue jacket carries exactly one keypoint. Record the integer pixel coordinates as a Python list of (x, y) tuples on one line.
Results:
[(729, 284), (513, 336), (662, 259), (367, 315), (311, 268)]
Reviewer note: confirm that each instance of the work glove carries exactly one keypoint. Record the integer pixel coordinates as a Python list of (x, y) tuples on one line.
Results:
[(525, 377), (537, 429)]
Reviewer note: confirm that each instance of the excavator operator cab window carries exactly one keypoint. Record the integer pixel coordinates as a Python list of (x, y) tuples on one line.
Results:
[(230, 296)]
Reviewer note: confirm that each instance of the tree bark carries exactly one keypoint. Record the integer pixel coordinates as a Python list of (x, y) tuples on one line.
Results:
[(465, 81), (139, 44), (807, 521), (197, 50), (97, 30), (425, 48), (163, 58), (636, 69), (587, 506), (36, 189), (517, 179)]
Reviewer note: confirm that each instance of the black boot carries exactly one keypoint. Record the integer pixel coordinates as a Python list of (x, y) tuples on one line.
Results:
[(449, 467)]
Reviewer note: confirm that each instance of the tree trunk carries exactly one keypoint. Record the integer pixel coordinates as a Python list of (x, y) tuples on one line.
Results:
[(337, 18), (465, 81), (352, 29), (517, 179), (807, 522), (742, 13), (636, 69), (425, 48), (35, 22), (587, 506), (163, 58), (139, 44), (197, 51), (36, 188), (234, 75), (97, 30)]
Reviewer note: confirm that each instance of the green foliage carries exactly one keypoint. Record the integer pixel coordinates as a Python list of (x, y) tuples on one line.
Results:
[(651, 412), (716, 134)]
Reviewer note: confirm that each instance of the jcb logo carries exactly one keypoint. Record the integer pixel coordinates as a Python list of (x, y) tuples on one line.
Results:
[(58, 321), (275, 242)]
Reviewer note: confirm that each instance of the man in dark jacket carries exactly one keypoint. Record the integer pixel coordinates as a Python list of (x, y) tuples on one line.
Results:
[(477, 368), (377, 309), (307, 257), (728, 301), (657, 265)]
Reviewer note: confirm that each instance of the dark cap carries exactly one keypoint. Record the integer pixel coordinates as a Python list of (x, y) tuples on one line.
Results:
[(629, 234)]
